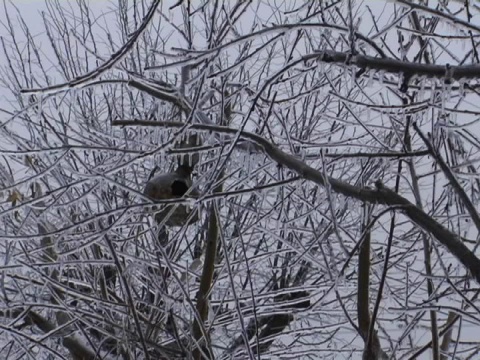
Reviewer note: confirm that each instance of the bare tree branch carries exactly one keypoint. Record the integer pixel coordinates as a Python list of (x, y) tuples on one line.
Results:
[(381, 195)]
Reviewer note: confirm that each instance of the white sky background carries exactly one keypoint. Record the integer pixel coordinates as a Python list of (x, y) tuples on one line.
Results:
[(30, 11)]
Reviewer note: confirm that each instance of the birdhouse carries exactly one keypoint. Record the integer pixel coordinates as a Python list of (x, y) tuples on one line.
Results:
[(175, 185)]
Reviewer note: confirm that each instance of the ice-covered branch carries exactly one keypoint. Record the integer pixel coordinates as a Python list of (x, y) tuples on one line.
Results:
[(408, 69), (380, 195)]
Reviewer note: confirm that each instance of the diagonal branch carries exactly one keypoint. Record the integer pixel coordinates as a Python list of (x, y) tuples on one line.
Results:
[(77, 350), (206, 283), (380, 195), (451, 178), (208, 270)]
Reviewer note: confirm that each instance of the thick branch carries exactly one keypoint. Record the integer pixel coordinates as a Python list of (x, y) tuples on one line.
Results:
[(363, 300), (206, 281), (408, 69), (381, 195), (209, 264), (75, 347)]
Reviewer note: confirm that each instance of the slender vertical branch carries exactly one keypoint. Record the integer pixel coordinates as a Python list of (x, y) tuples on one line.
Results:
[(206, 278), (373, 347), (210, 258)]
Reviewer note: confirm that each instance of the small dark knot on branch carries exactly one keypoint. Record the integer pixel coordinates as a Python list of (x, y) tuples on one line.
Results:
[(348, 59), (379, 185), (325, 57), (405, 80), (448, 74)]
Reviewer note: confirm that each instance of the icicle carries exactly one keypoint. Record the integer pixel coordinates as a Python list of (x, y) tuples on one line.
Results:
[(221, 203), (381, 75), (40, 104), (453, 120), (370, 78), (210, 139), (400, 80), (401, 115), (74, 93), (248, 162), (163, 159), (425, 114), (432, 92), (160, 137), (461, 88), (320, 67), (463, 45), (421, 93), (352, 76), (302, 153), (448, 89), (242, 163), (443, 99)]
